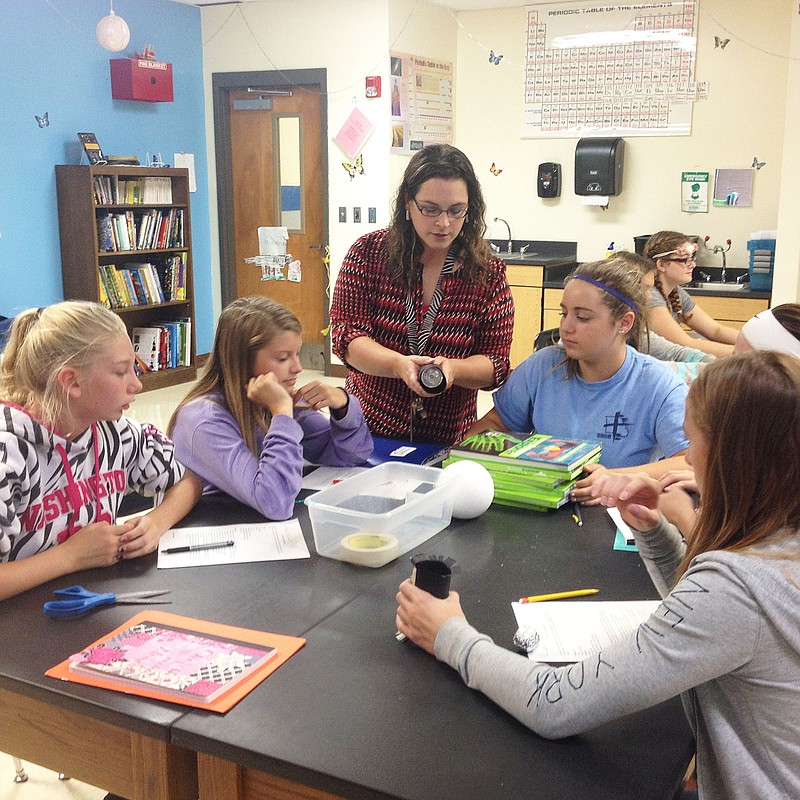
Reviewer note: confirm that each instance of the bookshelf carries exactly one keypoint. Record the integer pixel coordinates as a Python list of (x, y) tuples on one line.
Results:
[(127, 245)]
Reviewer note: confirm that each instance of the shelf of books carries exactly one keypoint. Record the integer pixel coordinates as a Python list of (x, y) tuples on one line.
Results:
[(126, 243), (533, 471)]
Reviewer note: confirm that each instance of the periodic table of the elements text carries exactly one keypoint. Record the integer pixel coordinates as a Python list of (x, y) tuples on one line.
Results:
[(615, 69)]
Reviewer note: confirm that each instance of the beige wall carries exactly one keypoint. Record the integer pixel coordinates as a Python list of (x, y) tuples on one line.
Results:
[(744, 116)]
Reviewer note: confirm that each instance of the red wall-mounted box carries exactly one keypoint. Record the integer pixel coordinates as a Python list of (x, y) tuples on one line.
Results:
[(138, 79)]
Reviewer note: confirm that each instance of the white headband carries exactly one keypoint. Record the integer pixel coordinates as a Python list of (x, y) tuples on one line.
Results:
[(764, 332)]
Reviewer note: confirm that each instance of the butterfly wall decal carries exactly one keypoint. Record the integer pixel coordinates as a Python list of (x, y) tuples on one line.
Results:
[(758, 164), (356, 168), (718, 42), (494, 169), (43, 121), (493, 58)]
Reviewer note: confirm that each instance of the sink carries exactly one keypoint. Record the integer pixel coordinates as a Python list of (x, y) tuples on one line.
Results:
[(515, 256), (719, 287)]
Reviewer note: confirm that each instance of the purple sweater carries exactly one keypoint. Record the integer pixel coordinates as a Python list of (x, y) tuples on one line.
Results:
[(208, 442)]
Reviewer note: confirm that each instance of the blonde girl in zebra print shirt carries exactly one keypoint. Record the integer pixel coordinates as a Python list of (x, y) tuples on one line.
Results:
[(68, 454)]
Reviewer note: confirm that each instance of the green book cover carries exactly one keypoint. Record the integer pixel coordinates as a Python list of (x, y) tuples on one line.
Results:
[(553, 452)]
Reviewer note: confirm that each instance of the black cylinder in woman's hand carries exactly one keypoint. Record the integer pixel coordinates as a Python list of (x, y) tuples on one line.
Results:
[(433, 576), (432, 379)]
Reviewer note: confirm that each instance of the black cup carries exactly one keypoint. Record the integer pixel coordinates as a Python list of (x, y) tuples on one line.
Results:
[(432, 378), (433, 576)]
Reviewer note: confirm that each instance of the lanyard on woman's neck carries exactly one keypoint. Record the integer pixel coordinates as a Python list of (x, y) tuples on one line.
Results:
[(418, 339)]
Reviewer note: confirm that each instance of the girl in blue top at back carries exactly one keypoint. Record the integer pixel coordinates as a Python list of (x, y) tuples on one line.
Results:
[(245, 428), (595, 385)]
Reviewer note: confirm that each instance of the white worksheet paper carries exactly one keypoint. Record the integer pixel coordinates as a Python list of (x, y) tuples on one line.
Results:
[(570, 631), (323, 477), (621, 524), (259, 541)]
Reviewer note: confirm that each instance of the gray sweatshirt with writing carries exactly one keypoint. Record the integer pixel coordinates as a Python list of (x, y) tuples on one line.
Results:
[(726, 638)]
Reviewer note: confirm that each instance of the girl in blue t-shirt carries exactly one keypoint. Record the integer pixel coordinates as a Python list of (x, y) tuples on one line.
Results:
[(595, 384)]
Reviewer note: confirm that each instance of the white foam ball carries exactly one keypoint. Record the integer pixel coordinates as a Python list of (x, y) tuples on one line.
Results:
[(473, 488)]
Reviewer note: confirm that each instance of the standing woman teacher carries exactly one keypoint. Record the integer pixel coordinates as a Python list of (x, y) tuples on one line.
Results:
[(425, 290)]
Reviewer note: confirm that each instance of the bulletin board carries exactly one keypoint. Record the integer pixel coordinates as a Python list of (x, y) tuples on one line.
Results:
[(422, 101), (617, 69)]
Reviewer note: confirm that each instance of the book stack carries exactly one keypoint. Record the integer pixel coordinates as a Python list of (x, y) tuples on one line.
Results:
[(134, 284), (165, 345), (533, 471)]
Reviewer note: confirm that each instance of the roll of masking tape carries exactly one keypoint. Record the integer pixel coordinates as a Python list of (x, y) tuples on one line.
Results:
[(370, 549)]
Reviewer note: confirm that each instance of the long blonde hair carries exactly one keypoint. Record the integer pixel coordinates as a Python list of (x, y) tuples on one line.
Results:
[(44, 341), (244, 327), (747, 408)]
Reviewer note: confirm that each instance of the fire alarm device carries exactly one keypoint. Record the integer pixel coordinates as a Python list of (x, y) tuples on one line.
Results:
[(92, 148), (548, 183), (373, 86)]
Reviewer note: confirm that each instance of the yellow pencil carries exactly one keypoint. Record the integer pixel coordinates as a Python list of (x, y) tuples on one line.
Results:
[(538, 598)]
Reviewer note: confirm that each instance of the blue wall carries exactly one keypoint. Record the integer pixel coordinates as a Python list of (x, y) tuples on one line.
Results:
[(51, 62)]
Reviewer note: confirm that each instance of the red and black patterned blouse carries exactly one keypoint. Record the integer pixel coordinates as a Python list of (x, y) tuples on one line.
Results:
[(472, 320)]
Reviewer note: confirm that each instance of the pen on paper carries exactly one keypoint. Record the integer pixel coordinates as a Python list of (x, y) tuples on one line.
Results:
[(576, 514), (538, 598), (190, 548)]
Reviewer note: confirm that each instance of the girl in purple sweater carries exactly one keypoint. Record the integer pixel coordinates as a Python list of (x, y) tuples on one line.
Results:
[(245, 428)]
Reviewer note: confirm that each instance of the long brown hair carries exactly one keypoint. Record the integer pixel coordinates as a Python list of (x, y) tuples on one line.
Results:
[(747, 409), (665, 243), (403, 247), (244, 327)]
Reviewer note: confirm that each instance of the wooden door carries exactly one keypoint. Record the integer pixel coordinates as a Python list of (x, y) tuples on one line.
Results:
[(277, 181)]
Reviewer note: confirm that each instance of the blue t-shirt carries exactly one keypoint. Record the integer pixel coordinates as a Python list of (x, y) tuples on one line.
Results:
[(637, 414)]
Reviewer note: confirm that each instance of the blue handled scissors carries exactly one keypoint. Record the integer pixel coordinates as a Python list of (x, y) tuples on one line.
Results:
[(83, 600)]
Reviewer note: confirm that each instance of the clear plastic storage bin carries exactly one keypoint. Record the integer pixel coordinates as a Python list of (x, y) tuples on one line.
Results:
[(378, 515)]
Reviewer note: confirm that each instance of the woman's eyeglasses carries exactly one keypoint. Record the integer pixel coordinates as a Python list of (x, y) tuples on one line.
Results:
[(686, 261), (456, 212)]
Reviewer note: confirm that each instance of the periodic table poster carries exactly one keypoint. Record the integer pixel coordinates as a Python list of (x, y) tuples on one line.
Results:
[(616, 69)]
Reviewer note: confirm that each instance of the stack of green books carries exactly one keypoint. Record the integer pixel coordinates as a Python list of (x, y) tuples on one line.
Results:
[(529, 470)]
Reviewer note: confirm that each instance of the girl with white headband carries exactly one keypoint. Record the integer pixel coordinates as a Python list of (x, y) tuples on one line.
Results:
[(671, 305), (596, 385), (774, 329)]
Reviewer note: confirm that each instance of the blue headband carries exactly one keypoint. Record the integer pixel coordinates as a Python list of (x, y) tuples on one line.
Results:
[(606, 288)]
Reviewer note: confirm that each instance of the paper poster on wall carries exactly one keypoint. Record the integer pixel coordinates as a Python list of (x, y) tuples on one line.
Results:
[(617, 69), (354, 133), (694, 192), (421, 91), (733, 187), (186, 160)]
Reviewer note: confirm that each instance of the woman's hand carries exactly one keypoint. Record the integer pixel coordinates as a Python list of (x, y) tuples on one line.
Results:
[(420, 614), (269, 393), (634, 494), (679, 479), (407, 369), (98, 544), (140, 539), (317, 395), (582, 490)]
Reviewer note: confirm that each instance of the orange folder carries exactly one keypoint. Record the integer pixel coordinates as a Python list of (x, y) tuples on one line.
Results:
[(286, 647)]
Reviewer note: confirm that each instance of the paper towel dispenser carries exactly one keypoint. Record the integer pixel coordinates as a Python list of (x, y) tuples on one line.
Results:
[(598, 166)]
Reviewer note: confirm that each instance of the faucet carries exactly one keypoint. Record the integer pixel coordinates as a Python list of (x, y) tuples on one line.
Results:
[(508, 227), (719, 249)]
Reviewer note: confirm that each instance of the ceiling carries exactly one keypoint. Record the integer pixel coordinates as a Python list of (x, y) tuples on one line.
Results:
[(455, 5)]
